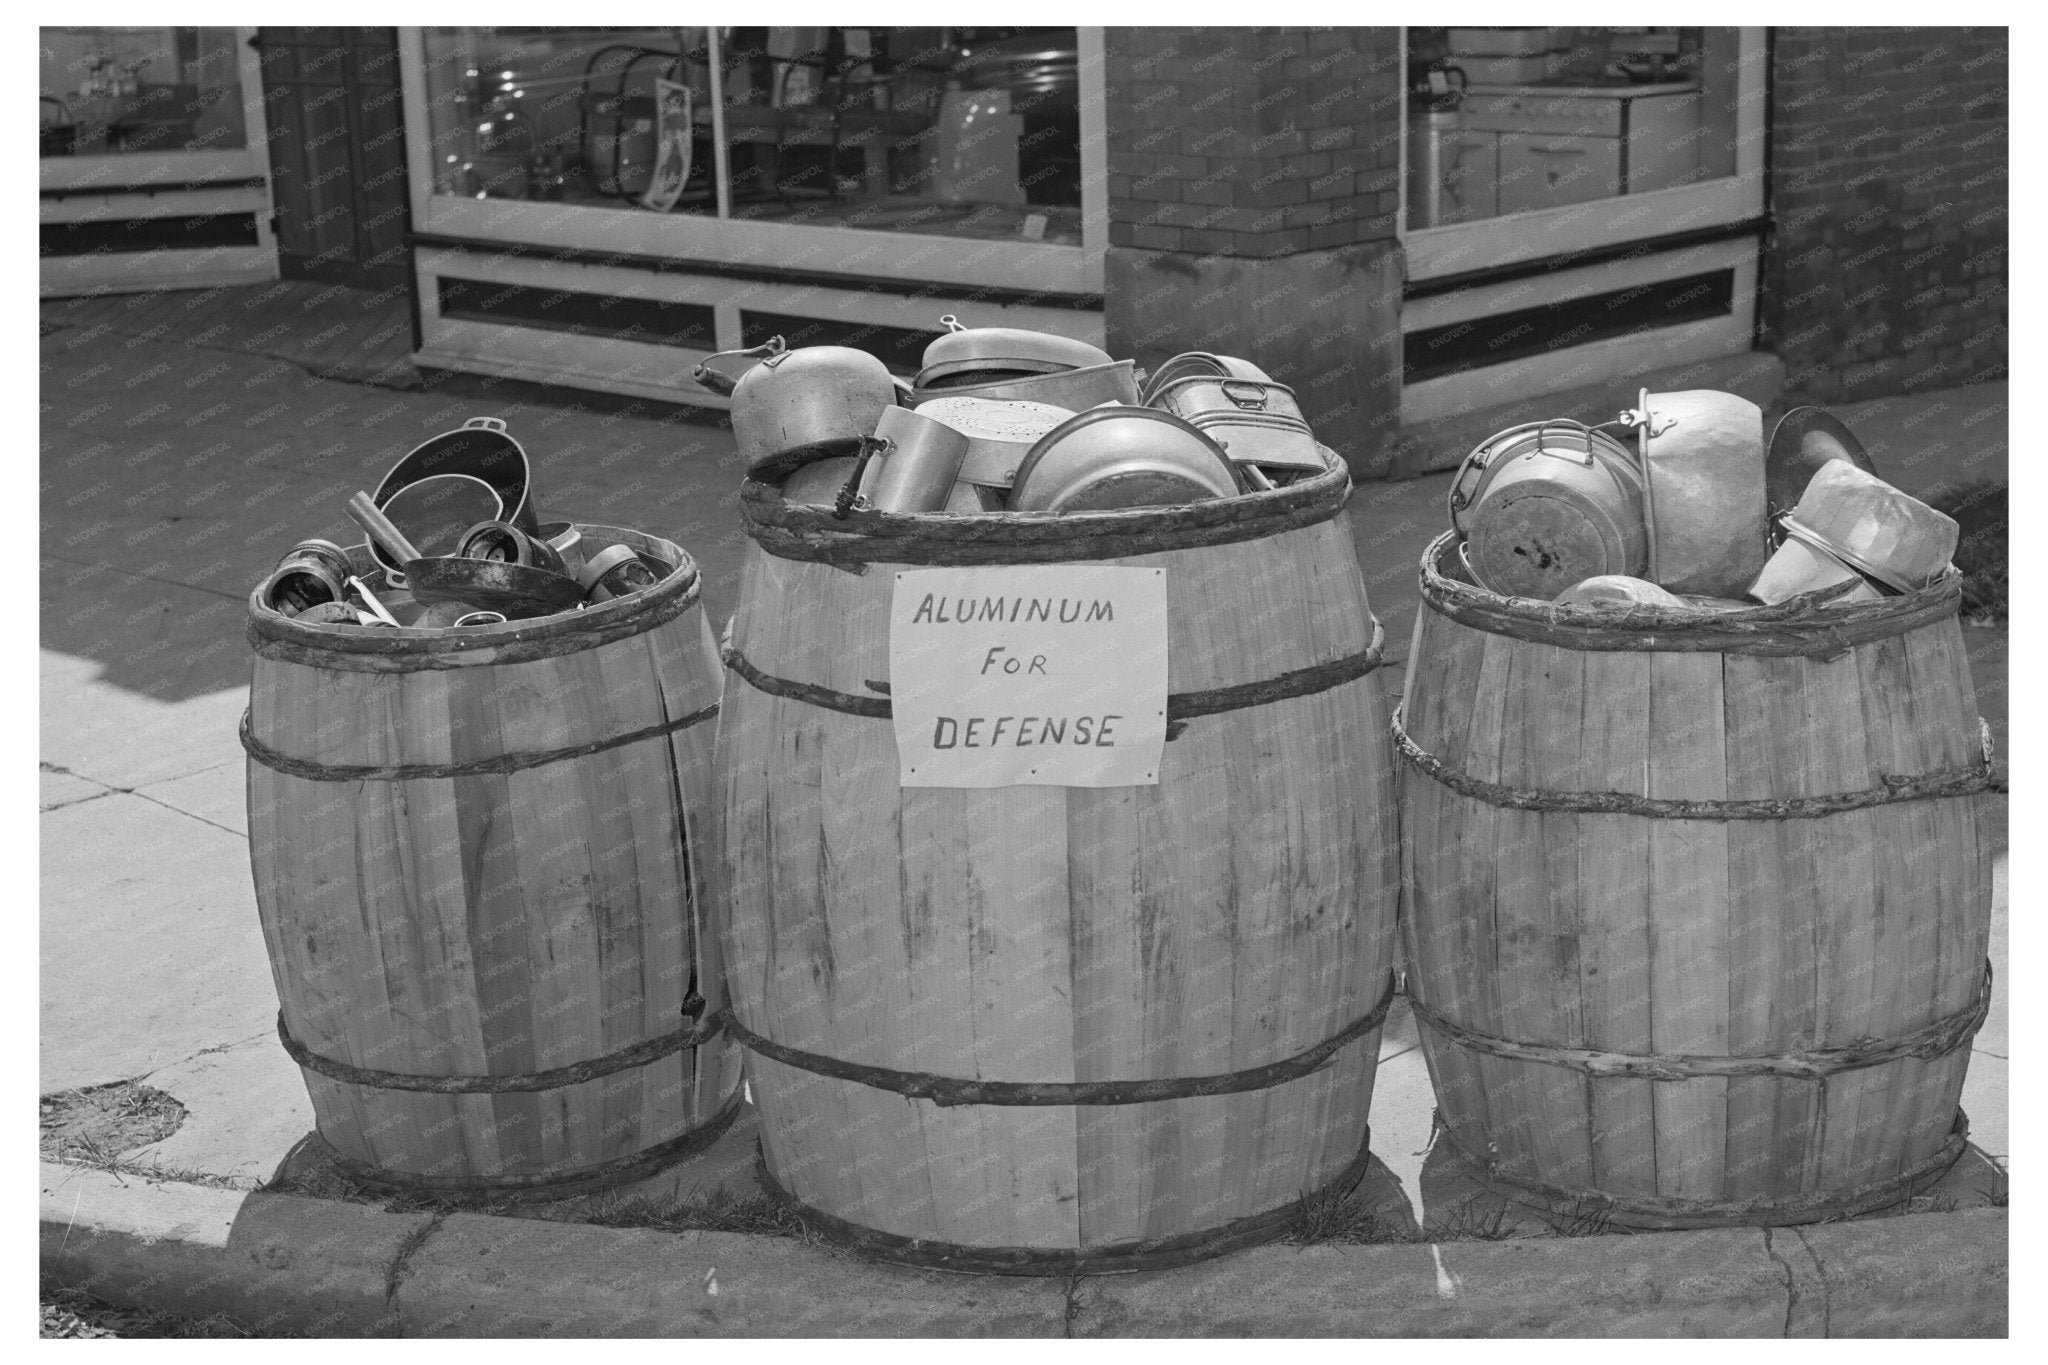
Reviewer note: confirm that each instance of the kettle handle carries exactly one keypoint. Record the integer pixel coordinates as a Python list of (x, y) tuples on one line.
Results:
[(721, 383)]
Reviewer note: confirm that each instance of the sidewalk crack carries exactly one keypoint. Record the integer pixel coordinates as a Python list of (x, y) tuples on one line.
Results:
[(401, 1264), (182, 811), (1791, 1283), (1073, 1309), (1827, 1307)]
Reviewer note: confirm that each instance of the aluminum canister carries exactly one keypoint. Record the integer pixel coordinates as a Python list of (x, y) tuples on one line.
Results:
[(315, 571), (507, 544), (1547, 505), (916, 470), (614, 571)]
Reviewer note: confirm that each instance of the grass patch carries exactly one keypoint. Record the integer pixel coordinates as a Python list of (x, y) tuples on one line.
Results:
[(720, 1211), (1329, 1219), (73, 1313), (1979, 508), (93, 1126)]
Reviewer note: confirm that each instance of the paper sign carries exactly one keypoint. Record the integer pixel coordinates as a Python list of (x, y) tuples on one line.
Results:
[(1029, 675)]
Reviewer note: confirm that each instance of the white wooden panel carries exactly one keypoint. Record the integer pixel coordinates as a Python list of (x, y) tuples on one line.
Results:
[(1485, 300), (644, 369), (1595, 362), (90, 208), (117, 272)]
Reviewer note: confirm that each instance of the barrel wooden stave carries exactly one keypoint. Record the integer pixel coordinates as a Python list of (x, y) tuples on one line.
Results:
[(492, 924), (1739, 937), (1048, 934)]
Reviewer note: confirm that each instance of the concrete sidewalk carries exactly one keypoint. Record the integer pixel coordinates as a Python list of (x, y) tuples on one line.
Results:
[(172, 477)]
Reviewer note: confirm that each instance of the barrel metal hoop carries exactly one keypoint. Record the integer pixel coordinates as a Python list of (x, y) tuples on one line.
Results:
[(1181, 707), (696, 1034), (617, 1171), (1803, 625), (480, 767), (1919, 787), (801, 531), (946, 1091), (1938, 1039), (1656, 1211), (1152, 1253)]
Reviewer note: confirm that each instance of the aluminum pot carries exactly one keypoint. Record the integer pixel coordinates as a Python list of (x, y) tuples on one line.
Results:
[(1087, 387), (797, 406), (1804, 563), (1871, 526), (1202, 364), (917, 464), (1257, 422), (1119, 457), (1000, 433), (1013, 350), (819, 483), (1701, 452), (1547, 505), (480, 448)]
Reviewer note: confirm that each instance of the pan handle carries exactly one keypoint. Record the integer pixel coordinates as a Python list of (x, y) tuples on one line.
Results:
[(870, 446), (721, 383)]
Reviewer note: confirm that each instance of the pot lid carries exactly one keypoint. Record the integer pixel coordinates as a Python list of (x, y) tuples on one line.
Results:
[(965, 349), (1114, 444), (1803, 441)]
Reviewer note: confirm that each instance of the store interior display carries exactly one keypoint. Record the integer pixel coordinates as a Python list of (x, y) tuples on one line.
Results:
[(110, 90), (962, 131), (1509, 120)]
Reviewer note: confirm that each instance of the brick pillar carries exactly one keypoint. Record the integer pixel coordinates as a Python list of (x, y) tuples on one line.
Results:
[(1887, 270), (1253, 187)]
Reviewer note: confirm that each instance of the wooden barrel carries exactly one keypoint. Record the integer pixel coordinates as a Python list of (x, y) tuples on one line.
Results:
[(1697, 907), (478, 858), (1027, 1029)]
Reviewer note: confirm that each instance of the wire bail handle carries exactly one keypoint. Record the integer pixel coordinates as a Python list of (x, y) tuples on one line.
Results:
[(1644, 422)]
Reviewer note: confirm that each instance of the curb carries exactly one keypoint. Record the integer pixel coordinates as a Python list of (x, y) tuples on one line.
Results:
[(281, 1262)]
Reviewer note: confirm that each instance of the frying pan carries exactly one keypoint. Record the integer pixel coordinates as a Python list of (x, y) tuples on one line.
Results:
[(435, 512), (518, 590), (479, 448)]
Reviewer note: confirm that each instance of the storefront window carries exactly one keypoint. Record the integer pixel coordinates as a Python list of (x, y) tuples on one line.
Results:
[(1510, 120), (956, 132), (128, 90)]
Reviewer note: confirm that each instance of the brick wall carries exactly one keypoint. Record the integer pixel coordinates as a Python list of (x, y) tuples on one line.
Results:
[(1887, 273), (1254, 179), (1253, 142)]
